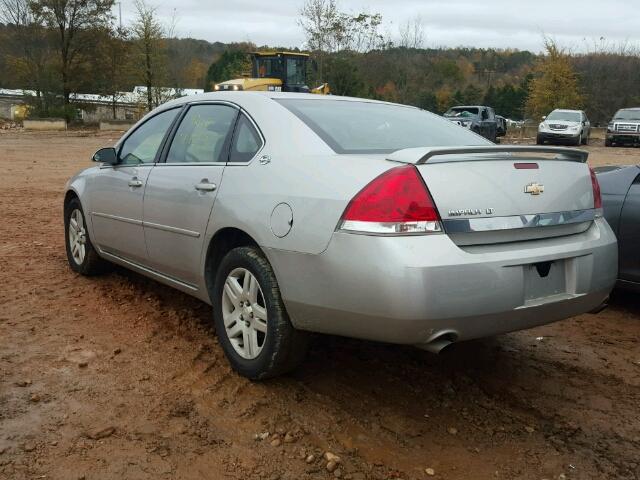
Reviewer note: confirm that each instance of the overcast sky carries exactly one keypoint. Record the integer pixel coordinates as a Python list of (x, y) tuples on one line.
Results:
[(481, 23)]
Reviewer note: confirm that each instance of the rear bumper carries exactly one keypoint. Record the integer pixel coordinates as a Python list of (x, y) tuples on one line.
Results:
[(409, 290)]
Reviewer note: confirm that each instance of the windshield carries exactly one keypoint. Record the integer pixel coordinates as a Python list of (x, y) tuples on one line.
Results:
[(565, 116), (462, 112), (367, 127), (268, 67), (296, 71), (627, 115)]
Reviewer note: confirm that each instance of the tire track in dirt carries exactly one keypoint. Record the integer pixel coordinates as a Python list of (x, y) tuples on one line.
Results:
[(120, 377)]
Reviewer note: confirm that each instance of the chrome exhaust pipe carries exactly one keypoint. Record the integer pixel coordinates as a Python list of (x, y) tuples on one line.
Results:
[(600, 307), (439, 342)]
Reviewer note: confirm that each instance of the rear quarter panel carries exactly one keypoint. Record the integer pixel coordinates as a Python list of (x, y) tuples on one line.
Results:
[(303, 172)]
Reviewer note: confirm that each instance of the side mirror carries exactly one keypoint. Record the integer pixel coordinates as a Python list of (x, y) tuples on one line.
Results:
[(544, 117), (106, 155)]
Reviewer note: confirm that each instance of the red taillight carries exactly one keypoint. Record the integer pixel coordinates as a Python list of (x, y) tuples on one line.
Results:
[(597, 196), (396, 202)]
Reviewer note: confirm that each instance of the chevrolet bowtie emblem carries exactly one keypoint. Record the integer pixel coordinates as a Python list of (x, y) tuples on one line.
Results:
[(534, 188)]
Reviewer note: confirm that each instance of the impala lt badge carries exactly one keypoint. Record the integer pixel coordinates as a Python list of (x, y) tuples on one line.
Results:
[(534, 188), (467, 212)]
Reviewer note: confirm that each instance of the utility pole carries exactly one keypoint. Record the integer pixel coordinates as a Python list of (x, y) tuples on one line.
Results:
[(120, 14)]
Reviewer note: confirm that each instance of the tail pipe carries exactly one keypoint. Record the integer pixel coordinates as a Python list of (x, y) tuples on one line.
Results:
[(439, 341), (601, 307)]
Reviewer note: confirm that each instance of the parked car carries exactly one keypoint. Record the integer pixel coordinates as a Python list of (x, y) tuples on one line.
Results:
[(624, 128), (292, 213), (620, 188), (478, 119), (562, 126), (502, 126)]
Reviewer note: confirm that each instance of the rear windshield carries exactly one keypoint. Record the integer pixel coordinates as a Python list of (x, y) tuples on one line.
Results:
[(367, 127), (462, 112)]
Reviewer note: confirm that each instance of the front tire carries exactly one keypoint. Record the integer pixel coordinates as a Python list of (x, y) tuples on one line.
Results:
[(579, 140), (253, 327), (81, 254)]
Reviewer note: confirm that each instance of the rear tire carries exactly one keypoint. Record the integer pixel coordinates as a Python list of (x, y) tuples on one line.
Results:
[(253, 327), (81, 254)]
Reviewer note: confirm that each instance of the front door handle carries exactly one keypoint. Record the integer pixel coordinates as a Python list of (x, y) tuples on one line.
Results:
[(206, 186), (134, 182)]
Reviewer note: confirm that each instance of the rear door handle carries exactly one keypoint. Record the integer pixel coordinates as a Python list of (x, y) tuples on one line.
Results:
[(134, 182), (206, 186)]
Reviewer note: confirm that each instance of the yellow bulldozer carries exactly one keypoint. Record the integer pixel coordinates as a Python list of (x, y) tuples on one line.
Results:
[(275, 72)]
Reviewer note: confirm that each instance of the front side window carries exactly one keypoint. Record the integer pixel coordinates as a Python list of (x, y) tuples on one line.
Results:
[(202, 135), (143, 144), (246, 141), (371, 127)]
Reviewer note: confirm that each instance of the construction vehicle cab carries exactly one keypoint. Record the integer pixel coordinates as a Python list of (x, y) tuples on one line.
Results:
[(275, 72)]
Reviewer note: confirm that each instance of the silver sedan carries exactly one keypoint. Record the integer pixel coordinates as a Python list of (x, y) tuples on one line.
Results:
[(294, 213)]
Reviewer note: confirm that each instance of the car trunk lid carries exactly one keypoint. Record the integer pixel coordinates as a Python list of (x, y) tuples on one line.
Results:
[(498, 194)]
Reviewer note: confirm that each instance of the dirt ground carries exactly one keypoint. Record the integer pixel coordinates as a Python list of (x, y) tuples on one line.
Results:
[(119, 377)]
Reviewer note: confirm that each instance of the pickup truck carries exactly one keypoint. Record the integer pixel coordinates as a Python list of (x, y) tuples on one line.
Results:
[(479, 119), (624, 128)]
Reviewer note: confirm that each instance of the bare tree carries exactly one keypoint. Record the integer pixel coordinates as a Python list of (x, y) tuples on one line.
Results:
[(317, 20), (411, 33), (72, 20), (328, 30), (149, 34)]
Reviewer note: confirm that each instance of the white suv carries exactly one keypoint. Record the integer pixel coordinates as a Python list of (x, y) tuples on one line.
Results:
[(571, 126)]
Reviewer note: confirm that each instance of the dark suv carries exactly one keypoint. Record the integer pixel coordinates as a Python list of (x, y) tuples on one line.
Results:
[(478, 119), (624, 128)]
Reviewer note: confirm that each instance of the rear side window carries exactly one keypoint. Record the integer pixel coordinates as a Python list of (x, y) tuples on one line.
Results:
[(143, 144), (203, 135), (246, 141), (368, 127)]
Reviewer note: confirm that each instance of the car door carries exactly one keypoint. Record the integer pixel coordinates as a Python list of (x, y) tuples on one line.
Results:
[(182, 188), (629, 234), (116, 193)]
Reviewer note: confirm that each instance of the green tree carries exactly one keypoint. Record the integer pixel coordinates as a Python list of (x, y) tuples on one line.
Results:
[(149, 35), (555, 83), (231, 64), (73, 21), (344, 77)]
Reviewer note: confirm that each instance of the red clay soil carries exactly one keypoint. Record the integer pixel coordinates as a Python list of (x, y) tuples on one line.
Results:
[(119, 377)]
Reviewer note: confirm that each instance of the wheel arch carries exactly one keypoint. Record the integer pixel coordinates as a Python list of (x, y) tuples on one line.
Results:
[(221, 243), (70, 195)]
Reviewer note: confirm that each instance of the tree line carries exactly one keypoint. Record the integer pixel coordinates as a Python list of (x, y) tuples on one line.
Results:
[(58, 47)]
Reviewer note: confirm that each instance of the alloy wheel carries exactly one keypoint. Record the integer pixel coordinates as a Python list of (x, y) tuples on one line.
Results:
[(244, 313), (77, 236)]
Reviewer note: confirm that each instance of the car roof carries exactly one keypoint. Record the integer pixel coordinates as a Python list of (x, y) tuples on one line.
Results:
[(566, 110), (256, 97), (630, 108)]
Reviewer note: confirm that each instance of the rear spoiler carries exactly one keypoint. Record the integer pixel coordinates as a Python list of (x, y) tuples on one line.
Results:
[(420, 155)]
